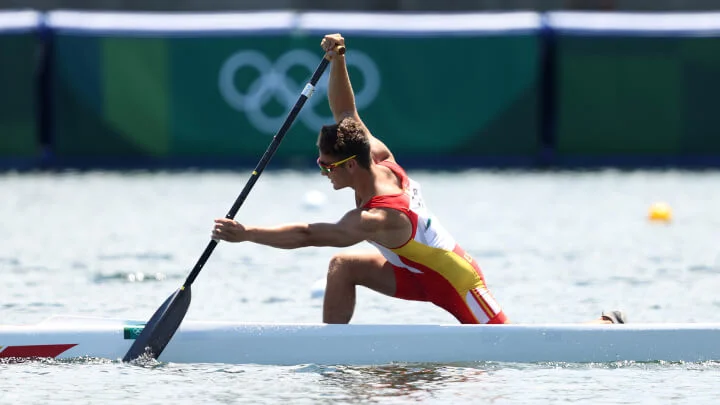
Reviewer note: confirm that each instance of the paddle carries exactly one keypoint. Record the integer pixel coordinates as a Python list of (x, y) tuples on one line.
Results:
[(166, 320)]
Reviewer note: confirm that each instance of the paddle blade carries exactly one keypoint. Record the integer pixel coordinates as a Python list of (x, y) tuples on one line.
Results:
[(161, 327)]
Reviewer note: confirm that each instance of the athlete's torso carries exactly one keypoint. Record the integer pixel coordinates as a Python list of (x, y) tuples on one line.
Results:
[(430, 247)]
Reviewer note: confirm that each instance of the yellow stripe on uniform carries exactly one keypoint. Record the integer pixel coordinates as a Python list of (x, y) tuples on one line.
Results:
[(440, 261)]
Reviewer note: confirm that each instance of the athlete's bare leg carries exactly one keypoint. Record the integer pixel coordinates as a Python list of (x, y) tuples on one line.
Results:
[(348, 270)]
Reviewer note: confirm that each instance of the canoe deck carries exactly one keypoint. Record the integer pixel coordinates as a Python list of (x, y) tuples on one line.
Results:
[(361, 344)]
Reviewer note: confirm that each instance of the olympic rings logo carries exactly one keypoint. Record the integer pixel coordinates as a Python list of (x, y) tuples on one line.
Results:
[(273, 83)]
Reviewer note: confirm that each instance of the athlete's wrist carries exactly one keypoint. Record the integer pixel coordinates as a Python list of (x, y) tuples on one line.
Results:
[(250, 234)]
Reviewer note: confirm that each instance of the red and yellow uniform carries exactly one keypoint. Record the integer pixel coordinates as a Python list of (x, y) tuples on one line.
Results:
[(431, 266)]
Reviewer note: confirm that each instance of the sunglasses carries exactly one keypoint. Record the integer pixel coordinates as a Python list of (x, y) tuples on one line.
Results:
[(329, 167)]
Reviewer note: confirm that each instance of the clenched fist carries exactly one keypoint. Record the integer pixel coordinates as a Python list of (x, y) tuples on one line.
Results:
[(333, 45), (228, 230)]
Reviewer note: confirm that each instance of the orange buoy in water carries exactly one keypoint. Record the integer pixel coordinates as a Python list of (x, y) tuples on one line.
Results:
[(660, 212)]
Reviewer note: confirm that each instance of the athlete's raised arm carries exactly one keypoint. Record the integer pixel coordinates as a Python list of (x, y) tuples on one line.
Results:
[(342, 98)]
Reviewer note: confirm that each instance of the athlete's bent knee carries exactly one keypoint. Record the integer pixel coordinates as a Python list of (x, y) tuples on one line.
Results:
[(340, 267)]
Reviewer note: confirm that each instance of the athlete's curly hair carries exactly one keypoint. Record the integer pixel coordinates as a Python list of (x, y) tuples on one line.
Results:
[(345, 139)]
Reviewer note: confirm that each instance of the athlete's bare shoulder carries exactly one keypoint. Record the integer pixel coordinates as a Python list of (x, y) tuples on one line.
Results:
[(388, 227)]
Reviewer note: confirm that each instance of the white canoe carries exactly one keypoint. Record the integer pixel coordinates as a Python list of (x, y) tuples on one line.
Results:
[(292, 344)]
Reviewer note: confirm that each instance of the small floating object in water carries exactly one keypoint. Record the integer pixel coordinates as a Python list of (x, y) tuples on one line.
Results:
[(660, 212), (314, 199)]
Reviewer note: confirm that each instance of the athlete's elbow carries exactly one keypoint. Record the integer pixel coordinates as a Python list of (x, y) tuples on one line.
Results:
[(306, 237)]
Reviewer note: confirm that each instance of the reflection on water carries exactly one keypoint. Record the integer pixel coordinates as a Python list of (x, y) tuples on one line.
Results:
[(416, 381), (432, 382)]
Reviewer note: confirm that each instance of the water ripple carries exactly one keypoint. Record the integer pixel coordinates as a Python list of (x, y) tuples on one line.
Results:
[(85, 360), (44, 305), (701, 268), (146, 256), (275, 300), (633, 281), (131, 277), (11, 261)]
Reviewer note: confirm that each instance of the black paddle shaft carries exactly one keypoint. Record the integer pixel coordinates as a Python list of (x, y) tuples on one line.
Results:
[(167, 319), (259, 169)]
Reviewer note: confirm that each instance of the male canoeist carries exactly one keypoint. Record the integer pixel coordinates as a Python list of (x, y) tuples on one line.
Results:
[(417, 259)]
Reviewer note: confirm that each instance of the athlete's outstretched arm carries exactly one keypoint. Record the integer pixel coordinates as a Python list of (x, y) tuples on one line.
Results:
[(342, 98), (355, 227)]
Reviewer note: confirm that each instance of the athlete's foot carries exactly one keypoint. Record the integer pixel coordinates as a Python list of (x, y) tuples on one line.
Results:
[(610, 317), (614, 316)]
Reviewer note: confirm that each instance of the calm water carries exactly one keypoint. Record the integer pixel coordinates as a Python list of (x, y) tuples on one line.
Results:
[(557, 247)]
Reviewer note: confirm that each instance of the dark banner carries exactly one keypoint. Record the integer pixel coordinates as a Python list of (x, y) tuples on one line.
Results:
[(637, 85), (19, 64)]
